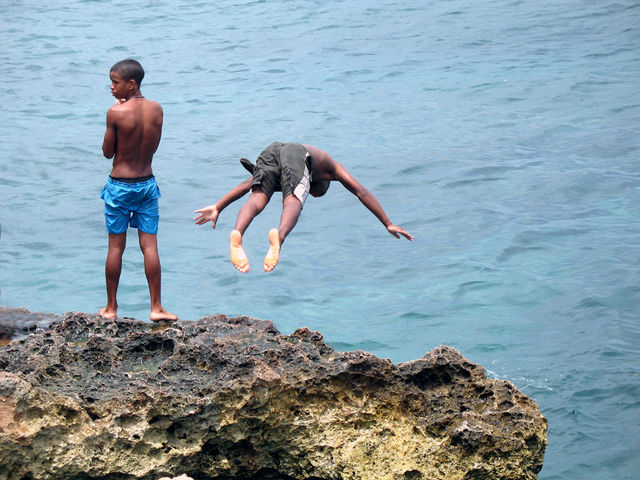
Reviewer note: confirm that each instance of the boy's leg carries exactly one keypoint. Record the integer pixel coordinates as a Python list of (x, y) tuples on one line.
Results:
[(112, 269), (254, 205), (291, 208), (152, 269)]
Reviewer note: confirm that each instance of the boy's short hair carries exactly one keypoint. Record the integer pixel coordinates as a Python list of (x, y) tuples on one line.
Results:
[(129, 69)]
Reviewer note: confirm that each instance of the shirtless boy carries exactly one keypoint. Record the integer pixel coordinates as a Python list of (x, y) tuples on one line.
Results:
[(296, 170), (134, 127)]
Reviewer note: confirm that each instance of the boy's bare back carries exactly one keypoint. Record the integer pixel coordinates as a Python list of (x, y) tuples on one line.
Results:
[(134, 128)]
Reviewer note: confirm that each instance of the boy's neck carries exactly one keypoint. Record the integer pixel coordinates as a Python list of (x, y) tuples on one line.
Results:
[(136, 94)]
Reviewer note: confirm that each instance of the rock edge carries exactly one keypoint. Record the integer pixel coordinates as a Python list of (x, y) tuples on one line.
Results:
[(233, 398)]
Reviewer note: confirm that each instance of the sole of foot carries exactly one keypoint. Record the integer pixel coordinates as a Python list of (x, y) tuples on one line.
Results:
[(273, 255), (238, 257)]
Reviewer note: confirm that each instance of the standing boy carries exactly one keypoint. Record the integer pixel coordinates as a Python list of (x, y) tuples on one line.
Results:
[(297, 170), (134, 127)]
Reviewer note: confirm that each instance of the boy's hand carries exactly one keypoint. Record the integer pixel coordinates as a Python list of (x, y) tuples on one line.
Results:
[(396, 231), (209, 213)]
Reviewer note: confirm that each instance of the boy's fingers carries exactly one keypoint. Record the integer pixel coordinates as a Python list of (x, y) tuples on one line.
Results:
[(397, 231), (408, 236)]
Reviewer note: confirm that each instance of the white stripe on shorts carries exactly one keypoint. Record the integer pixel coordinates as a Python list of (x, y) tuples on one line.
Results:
[(302, 189)]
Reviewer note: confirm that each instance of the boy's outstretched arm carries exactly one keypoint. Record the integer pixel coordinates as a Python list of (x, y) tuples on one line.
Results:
[(211, 212), (369, 200)]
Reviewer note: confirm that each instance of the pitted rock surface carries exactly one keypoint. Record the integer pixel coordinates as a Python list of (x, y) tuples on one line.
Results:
[(232, 398)]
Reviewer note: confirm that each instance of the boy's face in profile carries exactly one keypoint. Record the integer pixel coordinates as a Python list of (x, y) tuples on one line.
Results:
[(119, 86)]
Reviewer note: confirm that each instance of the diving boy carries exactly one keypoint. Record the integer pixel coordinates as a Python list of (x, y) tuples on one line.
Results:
[(297, 170), (134, 127)]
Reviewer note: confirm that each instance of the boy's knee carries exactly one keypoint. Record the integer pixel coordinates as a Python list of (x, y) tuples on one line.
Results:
[(258, 202), (117, 242), (291, 201), (147, 240)]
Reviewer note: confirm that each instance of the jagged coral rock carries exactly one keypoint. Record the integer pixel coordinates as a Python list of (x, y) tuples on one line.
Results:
[(232, 398)]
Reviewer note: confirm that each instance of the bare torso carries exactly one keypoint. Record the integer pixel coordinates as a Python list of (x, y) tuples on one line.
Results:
[(133, 134), (324, 169), (323, 164)]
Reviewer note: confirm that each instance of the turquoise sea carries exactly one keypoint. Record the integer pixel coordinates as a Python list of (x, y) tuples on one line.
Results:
[(504, 135)]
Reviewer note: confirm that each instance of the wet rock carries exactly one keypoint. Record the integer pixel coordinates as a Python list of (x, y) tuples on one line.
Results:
[(18, 322), (232, 398)]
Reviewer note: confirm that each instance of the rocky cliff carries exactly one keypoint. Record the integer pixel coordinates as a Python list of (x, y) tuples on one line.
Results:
[(232, 398)]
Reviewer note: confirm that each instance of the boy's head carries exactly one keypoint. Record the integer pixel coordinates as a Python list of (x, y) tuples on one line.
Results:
[(129, 70), (319, 187)]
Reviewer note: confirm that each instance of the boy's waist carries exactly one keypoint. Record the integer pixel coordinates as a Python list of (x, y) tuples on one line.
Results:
[(131, 179)]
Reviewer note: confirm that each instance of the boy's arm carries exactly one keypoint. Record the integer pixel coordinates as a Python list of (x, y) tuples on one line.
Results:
[(109, 142), (368, 199), (211, 212)]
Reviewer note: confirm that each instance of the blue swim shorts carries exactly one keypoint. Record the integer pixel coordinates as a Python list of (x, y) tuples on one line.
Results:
[(134, 204)]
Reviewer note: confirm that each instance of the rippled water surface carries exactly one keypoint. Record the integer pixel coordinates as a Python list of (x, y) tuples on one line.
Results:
[(504, 135)]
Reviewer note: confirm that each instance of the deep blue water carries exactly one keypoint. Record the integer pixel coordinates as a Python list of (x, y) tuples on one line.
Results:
[(504, 135)]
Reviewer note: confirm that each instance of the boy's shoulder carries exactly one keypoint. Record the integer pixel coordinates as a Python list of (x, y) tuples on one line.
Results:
[(128, 106), (152, 105), (148, 101)]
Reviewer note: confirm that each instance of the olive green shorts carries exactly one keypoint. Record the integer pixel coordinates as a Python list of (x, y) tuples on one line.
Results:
[(285, 167)]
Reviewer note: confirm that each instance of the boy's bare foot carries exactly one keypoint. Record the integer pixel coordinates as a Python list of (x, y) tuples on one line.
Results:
[(238, 257), (108, 314), (161, 315), (273, 255)]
